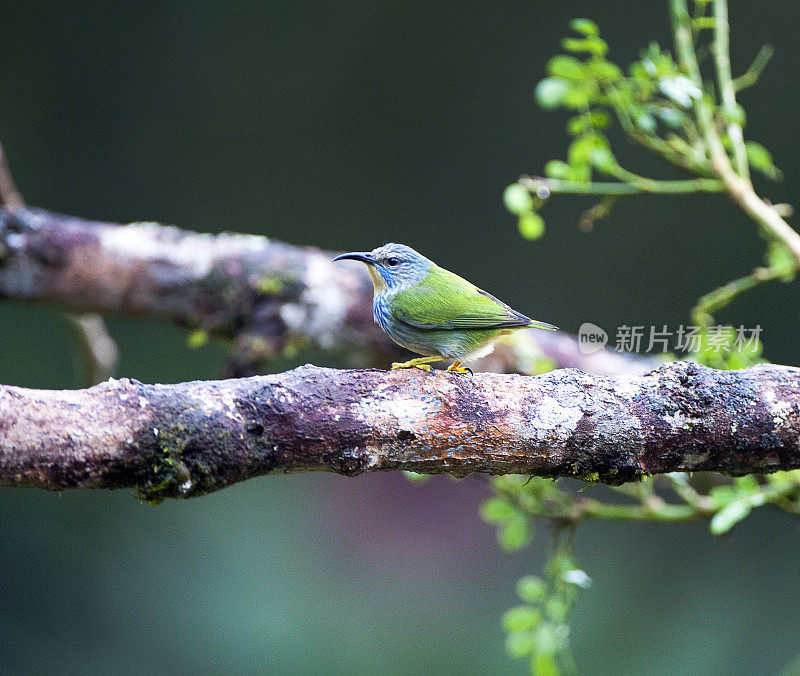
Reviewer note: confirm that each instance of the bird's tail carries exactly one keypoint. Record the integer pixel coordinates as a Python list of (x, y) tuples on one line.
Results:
[(542, 325)]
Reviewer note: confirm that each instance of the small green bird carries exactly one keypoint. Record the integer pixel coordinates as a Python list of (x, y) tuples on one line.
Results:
[(431, 311)]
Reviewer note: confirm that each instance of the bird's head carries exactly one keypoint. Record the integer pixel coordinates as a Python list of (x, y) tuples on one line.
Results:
[(392, 267)]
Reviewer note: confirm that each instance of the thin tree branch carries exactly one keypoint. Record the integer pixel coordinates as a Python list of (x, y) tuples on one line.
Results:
[(751, 75), (631, 185), (188, 439), (97, 353), (722, 60), (10, 196), (722, 296), (269, 298)]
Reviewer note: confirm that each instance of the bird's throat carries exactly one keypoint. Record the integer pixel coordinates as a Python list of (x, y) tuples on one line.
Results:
[(377, 280)]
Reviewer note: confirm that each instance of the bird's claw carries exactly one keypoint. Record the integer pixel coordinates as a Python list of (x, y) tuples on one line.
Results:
[(456, 367)]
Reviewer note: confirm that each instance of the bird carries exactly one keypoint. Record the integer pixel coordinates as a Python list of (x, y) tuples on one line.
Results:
[(434, 312)]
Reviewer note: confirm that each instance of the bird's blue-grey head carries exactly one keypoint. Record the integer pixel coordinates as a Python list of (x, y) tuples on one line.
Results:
[(392, 267)]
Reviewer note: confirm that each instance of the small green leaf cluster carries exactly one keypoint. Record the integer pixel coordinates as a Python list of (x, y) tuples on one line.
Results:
[(514, 529), (734, 502), (654, 103), (517, 500), (721, 347), (520, 202), (538, 628)]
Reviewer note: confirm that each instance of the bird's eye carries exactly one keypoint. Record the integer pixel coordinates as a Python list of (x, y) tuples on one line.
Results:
[(393, 262)]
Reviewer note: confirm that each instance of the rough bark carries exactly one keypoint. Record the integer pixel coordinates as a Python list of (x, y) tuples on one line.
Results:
[(188, 439), (270, 298)]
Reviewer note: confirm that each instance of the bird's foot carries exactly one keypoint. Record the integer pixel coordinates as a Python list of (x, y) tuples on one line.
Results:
[(424, 367), (458, 368), (418, 363)]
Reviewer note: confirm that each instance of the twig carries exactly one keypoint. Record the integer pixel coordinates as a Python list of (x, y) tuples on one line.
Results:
[(97, 352), (751, 75), (727, 90), (708, 304), (636, 186)]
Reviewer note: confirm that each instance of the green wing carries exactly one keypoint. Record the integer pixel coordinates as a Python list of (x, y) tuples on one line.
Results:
[(444, 300)]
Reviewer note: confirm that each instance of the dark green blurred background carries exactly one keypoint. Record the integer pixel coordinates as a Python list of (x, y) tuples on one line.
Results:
[(345, 125)]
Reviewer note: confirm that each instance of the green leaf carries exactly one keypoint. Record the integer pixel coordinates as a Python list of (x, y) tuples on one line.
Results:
[(521, 618), (602, 158), (604, 70), (600, 119), (531, 589), (416, 477), (565, 67), (531, 225), (781, 258), (734, 113), (556, 169), (514, 533), (594, 46), (747, 484), (517, 199), (519, 644), (582, 149), (581, 124), (586, 26), (580, 172), (729, 516), (556, 609), (760, 159), (544, 665), (546, 639), (578, 97), (552, 92), (496, 510), (197, 339), (578, 125)]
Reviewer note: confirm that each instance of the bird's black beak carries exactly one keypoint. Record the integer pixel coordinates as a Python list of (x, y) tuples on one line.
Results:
[(362, 256)]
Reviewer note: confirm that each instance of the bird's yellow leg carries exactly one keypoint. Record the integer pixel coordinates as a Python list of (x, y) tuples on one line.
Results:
[(456, 366), (418, 363)]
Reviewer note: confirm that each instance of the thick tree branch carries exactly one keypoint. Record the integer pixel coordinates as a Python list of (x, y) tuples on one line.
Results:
[(270, 298), (188, 439)]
